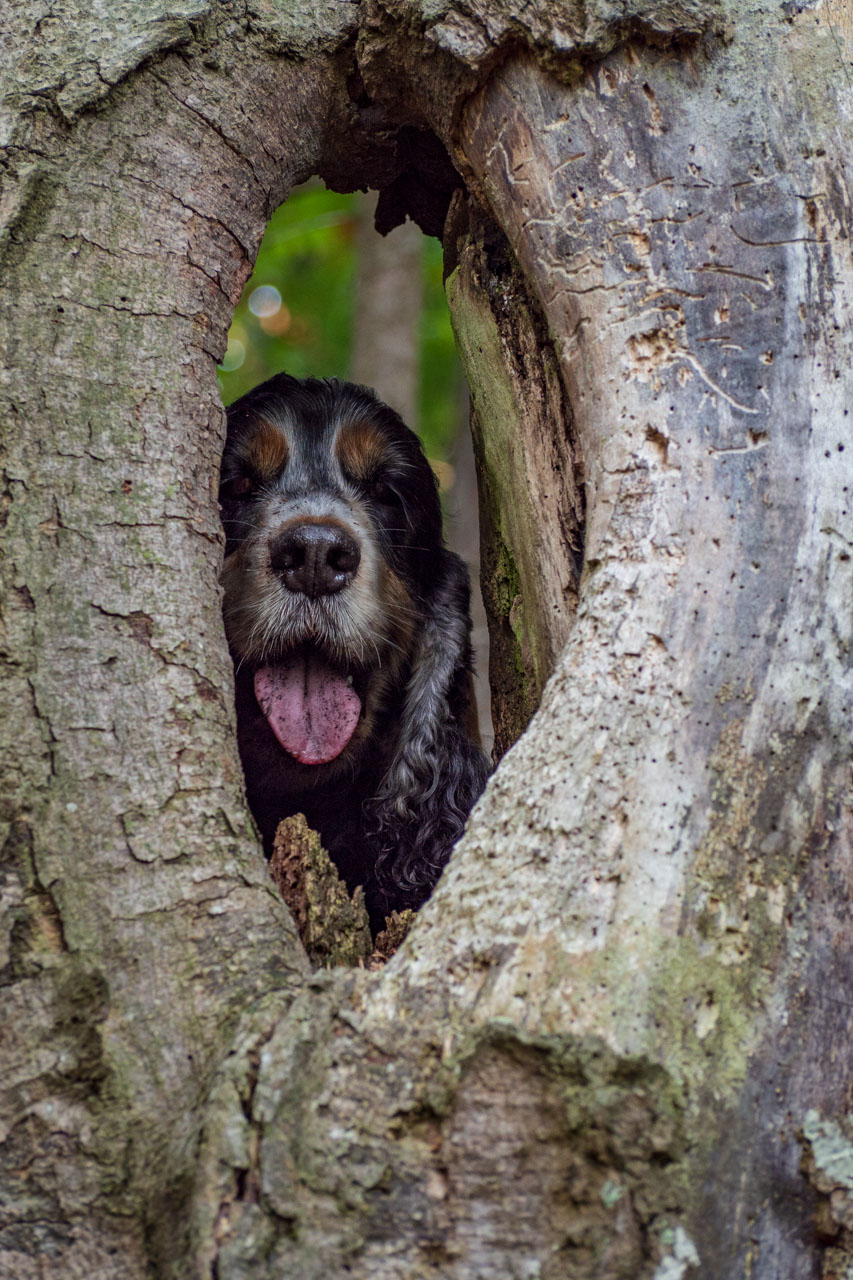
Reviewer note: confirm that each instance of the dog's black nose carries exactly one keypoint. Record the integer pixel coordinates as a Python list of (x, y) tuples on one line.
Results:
[(315, 559)]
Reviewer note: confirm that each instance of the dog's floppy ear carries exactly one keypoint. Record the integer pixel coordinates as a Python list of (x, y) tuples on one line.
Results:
[(436, 772)]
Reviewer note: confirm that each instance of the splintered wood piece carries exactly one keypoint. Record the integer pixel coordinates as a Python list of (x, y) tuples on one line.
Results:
[(333, 926), (392, 937)]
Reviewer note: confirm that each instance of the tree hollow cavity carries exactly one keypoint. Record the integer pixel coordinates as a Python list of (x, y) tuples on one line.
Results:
[(526, 458), (524, 475)]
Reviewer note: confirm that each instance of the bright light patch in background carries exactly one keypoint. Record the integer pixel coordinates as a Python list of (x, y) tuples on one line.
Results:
[(278, 323), (264, 301), (235, 354), (445, 474)]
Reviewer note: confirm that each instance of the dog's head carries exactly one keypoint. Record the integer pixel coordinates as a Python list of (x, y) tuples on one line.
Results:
[(348, 621), (333, 537)]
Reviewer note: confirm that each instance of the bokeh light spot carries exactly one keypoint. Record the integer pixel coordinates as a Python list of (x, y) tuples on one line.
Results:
[(264, 301), (235, 354)]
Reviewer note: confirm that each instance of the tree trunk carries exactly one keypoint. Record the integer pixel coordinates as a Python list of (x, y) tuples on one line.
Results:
[(388, 304), (616, 1043)]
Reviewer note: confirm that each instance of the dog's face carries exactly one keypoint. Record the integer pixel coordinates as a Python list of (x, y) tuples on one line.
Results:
[(333, 530)]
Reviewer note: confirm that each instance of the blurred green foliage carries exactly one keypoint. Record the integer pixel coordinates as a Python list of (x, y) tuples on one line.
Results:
[(308, 255)]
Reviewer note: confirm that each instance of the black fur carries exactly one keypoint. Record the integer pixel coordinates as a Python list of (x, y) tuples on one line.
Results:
[(393, 802)]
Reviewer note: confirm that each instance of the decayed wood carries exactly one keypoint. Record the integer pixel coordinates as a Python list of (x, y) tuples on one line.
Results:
[(334, 928), (593, 1054), (528, 464)]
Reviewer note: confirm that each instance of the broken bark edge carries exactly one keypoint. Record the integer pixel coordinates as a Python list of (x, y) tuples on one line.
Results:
[(333, 926)]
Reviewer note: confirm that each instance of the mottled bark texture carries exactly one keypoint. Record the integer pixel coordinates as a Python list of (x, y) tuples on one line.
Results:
[(333, 927), (624, 1016)]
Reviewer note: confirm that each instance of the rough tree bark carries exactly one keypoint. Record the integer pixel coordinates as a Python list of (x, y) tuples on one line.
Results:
[(617, 1042)]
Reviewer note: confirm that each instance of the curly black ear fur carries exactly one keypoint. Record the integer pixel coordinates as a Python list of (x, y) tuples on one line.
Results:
[(437, 772)]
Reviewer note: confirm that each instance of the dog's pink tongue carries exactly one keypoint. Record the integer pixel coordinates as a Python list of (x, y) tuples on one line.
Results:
[(311, 708)]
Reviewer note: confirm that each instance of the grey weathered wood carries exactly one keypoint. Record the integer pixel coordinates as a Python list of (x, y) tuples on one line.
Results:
[(530, 563), (626, 1008)]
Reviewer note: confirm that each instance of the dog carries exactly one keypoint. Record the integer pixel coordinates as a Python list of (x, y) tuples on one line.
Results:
[(348, 623)]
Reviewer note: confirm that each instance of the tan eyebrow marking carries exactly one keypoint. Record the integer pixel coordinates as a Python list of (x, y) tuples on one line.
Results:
[(360, 448), (266, 448)]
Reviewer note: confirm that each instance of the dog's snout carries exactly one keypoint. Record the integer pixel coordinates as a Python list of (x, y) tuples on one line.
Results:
[(315, 559)]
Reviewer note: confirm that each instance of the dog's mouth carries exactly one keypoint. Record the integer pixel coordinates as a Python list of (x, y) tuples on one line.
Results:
[(310, 704)]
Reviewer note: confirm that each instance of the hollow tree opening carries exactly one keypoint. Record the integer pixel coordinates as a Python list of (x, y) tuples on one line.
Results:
[(431, 778), (531, 565)]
